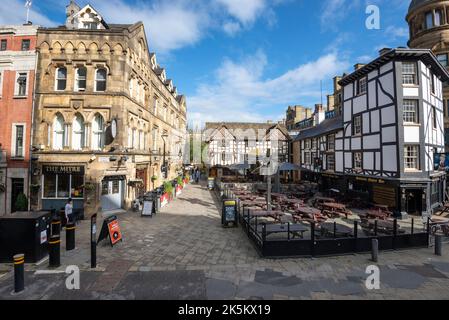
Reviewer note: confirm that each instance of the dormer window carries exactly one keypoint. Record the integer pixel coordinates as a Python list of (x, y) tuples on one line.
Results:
[(90, 25), (362, 86), (429, 20)]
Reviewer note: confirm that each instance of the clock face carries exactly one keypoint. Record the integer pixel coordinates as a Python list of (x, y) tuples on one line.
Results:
[(114, 128)]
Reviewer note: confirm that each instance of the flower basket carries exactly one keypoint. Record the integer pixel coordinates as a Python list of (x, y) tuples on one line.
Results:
[(89, 186)]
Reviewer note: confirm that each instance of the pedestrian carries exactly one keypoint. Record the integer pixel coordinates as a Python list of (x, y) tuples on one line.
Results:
[(69, 211), (197, 175)]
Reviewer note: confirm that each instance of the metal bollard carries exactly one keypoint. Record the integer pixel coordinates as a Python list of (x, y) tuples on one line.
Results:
[(375, 250), (19, 273), (70, 236), (438, 245), (55, 227), (54, 251)]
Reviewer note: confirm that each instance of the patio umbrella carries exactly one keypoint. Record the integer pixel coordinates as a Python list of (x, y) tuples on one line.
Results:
[(289, 167), (240, 166)]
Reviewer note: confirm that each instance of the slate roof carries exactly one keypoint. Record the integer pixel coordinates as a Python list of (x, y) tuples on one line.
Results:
[(326, 127)]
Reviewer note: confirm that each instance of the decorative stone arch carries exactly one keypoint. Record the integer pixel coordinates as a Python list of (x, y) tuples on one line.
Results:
[(93, 48), (118, 50), (69, 47), (91, 116), (81, 48), (57, 47), (44, 47), (106, 49)]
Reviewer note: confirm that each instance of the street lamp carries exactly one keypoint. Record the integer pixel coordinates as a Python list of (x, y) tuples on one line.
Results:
[(164, 166)]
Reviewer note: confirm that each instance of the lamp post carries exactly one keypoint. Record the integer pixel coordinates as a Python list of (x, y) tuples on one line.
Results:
[(164, 166)]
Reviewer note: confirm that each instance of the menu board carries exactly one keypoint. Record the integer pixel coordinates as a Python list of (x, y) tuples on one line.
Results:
[(229, 212), (147, 209)]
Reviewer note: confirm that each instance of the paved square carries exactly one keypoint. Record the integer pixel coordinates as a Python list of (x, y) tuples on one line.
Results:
[(183, 253)]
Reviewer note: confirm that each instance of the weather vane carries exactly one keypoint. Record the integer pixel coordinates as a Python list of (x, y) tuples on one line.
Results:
[(28, 4)]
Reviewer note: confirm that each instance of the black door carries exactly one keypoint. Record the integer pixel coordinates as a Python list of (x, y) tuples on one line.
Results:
[(414, 202), (16, 189)]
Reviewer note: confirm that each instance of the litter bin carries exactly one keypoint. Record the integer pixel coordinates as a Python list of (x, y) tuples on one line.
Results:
[(229, 214), (24, 232)]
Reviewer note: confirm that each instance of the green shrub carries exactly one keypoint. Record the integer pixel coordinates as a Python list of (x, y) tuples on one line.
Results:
[(168, 187), (154, 178), (180, 180), (21, 202)]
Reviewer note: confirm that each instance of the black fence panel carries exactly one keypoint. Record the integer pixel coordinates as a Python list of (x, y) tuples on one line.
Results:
[(334, 246), (412, 240), (295, 248)]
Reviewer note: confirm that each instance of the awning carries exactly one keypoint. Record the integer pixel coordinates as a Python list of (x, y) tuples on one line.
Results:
[(114, 178)]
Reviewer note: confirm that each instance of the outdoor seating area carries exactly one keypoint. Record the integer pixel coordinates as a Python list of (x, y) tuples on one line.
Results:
[(309, 224)]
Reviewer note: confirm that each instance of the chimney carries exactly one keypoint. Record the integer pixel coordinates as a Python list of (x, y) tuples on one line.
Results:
[(319, 114), (384, 51), (358, 66)]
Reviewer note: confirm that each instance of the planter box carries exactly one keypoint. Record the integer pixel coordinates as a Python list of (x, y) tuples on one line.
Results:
[(164, 200)]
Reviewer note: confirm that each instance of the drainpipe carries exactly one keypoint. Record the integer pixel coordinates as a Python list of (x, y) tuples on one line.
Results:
[(30, 174)]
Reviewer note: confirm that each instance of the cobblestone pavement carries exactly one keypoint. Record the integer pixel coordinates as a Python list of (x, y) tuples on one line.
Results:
[(184, 253)]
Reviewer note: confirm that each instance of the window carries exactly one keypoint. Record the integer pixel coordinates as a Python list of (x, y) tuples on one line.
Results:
[(98, 133), (409, 73), (78, 136), (90, 25), (358, 160), (61, 79), (429, 20), (438, 18), (100, 80), (362, 86), (63, 186), (357, 125), (442, 58), (330, 162), (434, 117), (58, 132), (155, 106), (26, 45), (432, 83), (21, 86), (80, 79), (135, 140), (307, 158), (50, 186), (141, 140), (314, 144), (3, 45), (131, 87), (331, 142), (410, 111), (307, 144), (411, 160), (18, 152), (154, 135)]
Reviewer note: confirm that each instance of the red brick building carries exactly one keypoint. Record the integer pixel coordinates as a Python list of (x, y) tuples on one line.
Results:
[(17, 73)]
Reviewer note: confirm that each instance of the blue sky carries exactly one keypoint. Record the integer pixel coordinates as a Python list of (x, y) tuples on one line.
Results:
[(246, 60)]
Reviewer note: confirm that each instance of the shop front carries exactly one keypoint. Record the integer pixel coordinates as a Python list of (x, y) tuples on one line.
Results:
[(61, 182), (374, 191), (141, 182)]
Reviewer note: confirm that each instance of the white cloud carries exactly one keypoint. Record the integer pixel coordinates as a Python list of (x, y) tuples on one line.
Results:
[(231, 28), (14, 12), (170, 25), (245, 11), (397, 32), (334, 11), (241, 92)]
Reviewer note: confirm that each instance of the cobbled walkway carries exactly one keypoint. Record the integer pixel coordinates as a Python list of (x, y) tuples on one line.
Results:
[(183, 253)]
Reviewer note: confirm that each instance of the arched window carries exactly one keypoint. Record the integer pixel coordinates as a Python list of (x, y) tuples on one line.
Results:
[(59, 133), (429, 20), (78, 133), (61, 79), (98, 133), (100, 80), (80, 79)]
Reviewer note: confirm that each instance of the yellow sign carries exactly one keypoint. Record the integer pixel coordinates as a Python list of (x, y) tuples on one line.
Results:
[(230, 203)]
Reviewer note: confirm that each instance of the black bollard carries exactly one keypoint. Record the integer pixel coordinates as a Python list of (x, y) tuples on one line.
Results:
[(54, 252), (375, 250), (55, 227), (19, 273), (438, 245), (70, 236), (93, 241)]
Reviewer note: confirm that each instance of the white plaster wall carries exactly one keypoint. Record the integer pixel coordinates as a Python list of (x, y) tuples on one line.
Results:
[(368, 160), (371, 142), (389, 158), (411, 134), (388, 115), (388, 134)]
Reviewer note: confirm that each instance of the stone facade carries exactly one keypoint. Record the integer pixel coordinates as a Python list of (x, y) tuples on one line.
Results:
[(17, 72), (103, 108), (429, 29)]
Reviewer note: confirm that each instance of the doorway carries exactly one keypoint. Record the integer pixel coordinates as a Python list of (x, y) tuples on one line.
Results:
[(17, 187), (112, 194), (414, 201)]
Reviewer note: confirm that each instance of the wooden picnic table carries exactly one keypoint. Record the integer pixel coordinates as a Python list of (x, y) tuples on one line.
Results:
[(329, 228), (318, 201), (296, 229), (335, 208), (383, 226), (445, 209), (308, 214), (376, 214)]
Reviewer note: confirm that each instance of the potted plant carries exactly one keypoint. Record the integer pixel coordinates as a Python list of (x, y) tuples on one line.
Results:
[(168, 189), (21, 203), (180, 182), (153, 180), (89, 186)]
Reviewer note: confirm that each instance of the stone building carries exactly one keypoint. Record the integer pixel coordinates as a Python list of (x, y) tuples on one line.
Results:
[(17, 72), (296, 114), (429, 29), (104, 112)]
